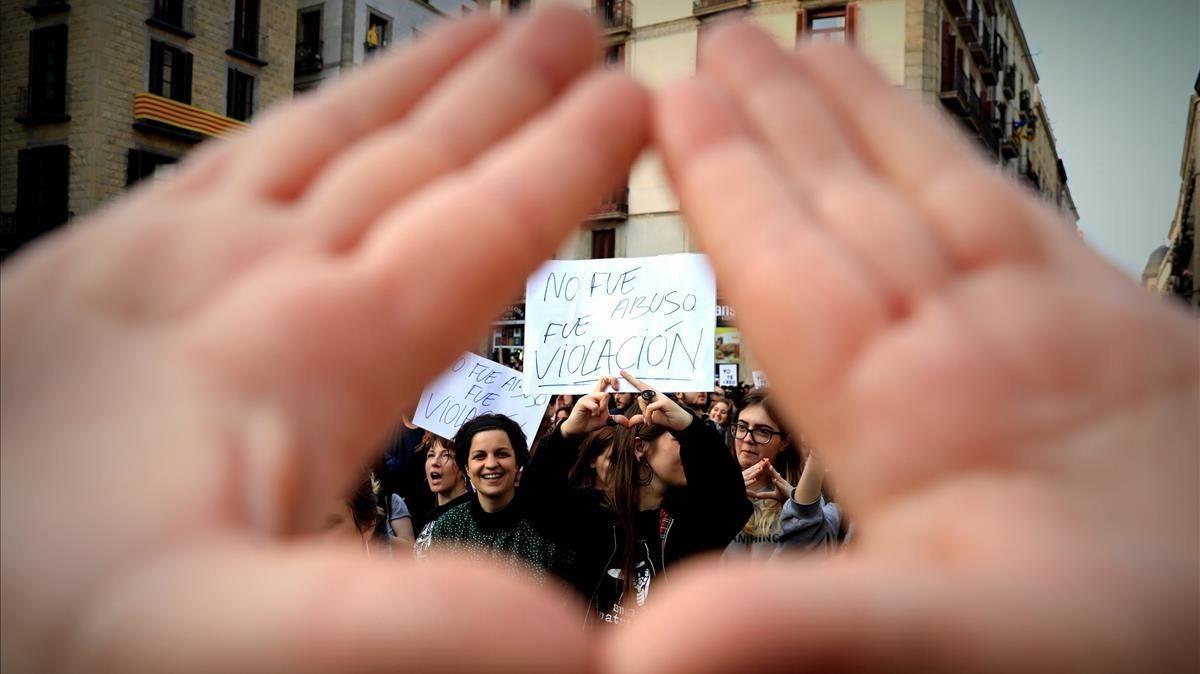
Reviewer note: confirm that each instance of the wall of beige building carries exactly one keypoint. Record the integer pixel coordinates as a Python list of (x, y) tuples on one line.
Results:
[(108, 46)]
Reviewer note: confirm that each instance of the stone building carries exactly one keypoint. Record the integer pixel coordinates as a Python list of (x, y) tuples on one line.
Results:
[(968, 58), (335, 35), (99, 95), (1180, 262)]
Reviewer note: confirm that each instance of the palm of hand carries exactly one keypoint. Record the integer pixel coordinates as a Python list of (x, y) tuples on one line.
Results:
[(970, 441)]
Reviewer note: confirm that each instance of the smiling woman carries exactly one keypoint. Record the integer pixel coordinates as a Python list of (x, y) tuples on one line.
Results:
[(494, 524)]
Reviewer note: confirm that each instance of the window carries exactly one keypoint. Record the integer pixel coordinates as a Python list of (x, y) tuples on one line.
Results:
[(169, 12), (143, 164), (245, 27), (614, 57), (239, 95), (379, 33), (46, 96), (604, 243), (170, 72), (42, 179), (835, 24), (308, 44)]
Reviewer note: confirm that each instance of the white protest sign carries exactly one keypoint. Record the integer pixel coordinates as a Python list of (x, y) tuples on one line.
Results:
[(474, 386), (727, 374), (760, 379), (652, 316)]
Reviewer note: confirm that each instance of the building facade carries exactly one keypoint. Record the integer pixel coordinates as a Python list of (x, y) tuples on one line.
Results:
[(968, 58), (98, 96), (332, 36), (1178, 262)]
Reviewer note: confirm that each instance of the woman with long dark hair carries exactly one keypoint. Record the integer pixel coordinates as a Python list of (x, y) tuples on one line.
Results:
[(673, 490)]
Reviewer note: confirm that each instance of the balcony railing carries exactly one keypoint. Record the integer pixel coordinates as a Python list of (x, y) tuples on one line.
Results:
[(308, 57), (982, 51), (968, 24), (702, 7), (37, 106), (1004, 140), (1029, 173), (987, 127), (1010, 81), (615, 205), (954, 94), (615, 16), (1026, 102)]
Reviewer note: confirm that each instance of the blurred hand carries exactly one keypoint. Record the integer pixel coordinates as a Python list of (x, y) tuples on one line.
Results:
[(1011, 421), (200, 367)]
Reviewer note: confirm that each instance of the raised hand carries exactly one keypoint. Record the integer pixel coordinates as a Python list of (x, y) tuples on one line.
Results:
[(591, 411), (199, 368), (659, 409), (1010, 421)]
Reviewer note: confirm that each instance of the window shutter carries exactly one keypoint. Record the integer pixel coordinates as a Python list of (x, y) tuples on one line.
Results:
[(156, 68), (183, 62), (852, 22), (230, 88), (801, 24)]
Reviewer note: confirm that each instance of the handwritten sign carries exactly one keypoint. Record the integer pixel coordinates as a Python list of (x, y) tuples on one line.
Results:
[(760, 379), (652, 316), (474, 386), (727, 374)]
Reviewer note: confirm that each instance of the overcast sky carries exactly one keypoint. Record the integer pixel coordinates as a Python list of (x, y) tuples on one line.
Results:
[(1116, 77)]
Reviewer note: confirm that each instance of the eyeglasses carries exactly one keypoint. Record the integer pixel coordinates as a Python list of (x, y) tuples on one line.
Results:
[(760, 435)]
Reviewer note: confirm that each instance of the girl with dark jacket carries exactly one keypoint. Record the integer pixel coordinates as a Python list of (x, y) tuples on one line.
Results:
[(673, 490)]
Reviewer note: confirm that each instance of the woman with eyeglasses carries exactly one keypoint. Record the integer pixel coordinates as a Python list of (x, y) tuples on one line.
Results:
[(785, 488), (672, 491)]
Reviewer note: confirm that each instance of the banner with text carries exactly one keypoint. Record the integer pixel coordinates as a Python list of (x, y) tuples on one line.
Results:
[(652, 316), (474, 386)]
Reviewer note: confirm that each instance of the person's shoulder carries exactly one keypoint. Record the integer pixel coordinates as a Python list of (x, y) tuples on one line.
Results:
[(454, 518)]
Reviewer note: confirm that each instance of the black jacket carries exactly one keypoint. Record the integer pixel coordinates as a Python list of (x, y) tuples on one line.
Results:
[(702, 517)]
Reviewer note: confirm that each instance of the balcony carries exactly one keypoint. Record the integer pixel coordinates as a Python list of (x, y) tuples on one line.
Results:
[(968, 24), (703, 7), (174, 17), (43, 105), (955, 8), (1026, 102), (614, 206), (1030, 175), (249, 46), (179, 121), (987, 128), (1009, 82), (615, 16), (308, 57), (974, 114), (40, 8), (1004, 141), (954, 94), (982, 51)]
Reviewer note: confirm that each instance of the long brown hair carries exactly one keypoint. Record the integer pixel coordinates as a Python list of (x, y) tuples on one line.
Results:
[(627, 475), (583, 473)]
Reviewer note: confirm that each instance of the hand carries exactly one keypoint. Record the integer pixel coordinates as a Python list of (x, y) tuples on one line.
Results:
[(206, 362), (1010, 420), (661, 410), (591, 411)]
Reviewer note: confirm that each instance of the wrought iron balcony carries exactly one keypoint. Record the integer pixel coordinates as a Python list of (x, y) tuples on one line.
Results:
[(702, 7), (43, 104), (968, 23), (1009, 81), (309, 57), (615, 16), (982, 51), (614, 206), (954, 93)]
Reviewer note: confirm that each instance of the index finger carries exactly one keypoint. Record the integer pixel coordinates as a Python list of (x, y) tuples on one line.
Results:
[(637, 383)]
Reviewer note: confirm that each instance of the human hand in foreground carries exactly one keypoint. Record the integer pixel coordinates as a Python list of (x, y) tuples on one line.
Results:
[(1011, 421), (202, 366)]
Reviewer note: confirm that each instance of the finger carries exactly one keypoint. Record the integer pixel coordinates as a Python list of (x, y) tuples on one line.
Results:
[(636, 419), (299, 609), (637, 383), (600, 385), (348, 325), (926, 160), (707, 150), (272, 163), (512, 79), (624, 420), (824, 166), (865, 616)]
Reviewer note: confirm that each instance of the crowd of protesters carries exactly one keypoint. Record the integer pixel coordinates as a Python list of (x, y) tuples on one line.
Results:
[(618, 485)]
